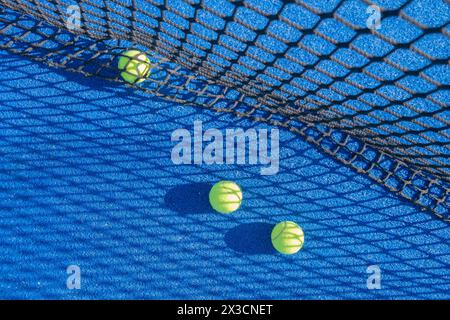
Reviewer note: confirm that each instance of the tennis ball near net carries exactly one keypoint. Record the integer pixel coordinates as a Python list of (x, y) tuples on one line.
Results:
[(225, 196), (287, 237), (134, 66)]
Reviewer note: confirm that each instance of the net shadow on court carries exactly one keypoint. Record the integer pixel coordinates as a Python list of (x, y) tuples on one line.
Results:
[(85, 173)]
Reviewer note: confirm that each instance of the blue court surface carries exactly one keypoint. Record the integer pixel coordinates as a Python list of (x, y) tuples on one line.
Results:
[(87, 179)]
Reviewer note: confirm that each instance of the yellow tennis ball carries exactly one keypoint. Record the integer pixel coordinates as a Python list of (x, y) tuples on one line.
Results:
[(135, 66), (287, 237), (225, 196)]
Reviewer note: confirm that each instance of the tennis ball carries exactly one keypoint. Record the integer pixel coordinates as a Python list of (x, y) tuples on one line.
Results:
[(287, 237), (135, 66), (225, 196)]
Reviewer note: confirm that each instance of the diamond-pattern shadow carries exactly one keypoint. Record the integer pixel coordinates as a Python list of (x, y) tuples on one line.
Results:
[(86, 174)]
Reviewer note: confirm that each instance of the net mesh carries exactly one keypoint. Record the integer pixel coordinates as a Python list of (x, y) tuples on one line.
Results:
[(374, 98)]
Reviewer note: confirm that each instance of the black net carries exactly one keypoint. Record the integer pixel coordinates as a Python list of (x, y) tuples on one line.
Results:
[(374, 98)]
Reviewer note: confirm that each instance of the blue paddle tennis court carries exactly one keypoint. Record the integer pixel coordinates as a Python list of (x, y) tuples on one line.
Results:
[(87, 180)]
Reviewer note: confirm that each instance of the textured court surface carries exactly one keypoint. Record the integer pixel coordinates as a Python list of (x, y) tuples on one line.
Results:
[(86, 179)]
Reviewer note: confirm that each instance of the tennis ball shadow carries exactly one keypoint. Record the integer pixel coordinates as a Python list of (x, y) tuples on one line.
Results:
[(189, 198), (251, 238)]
